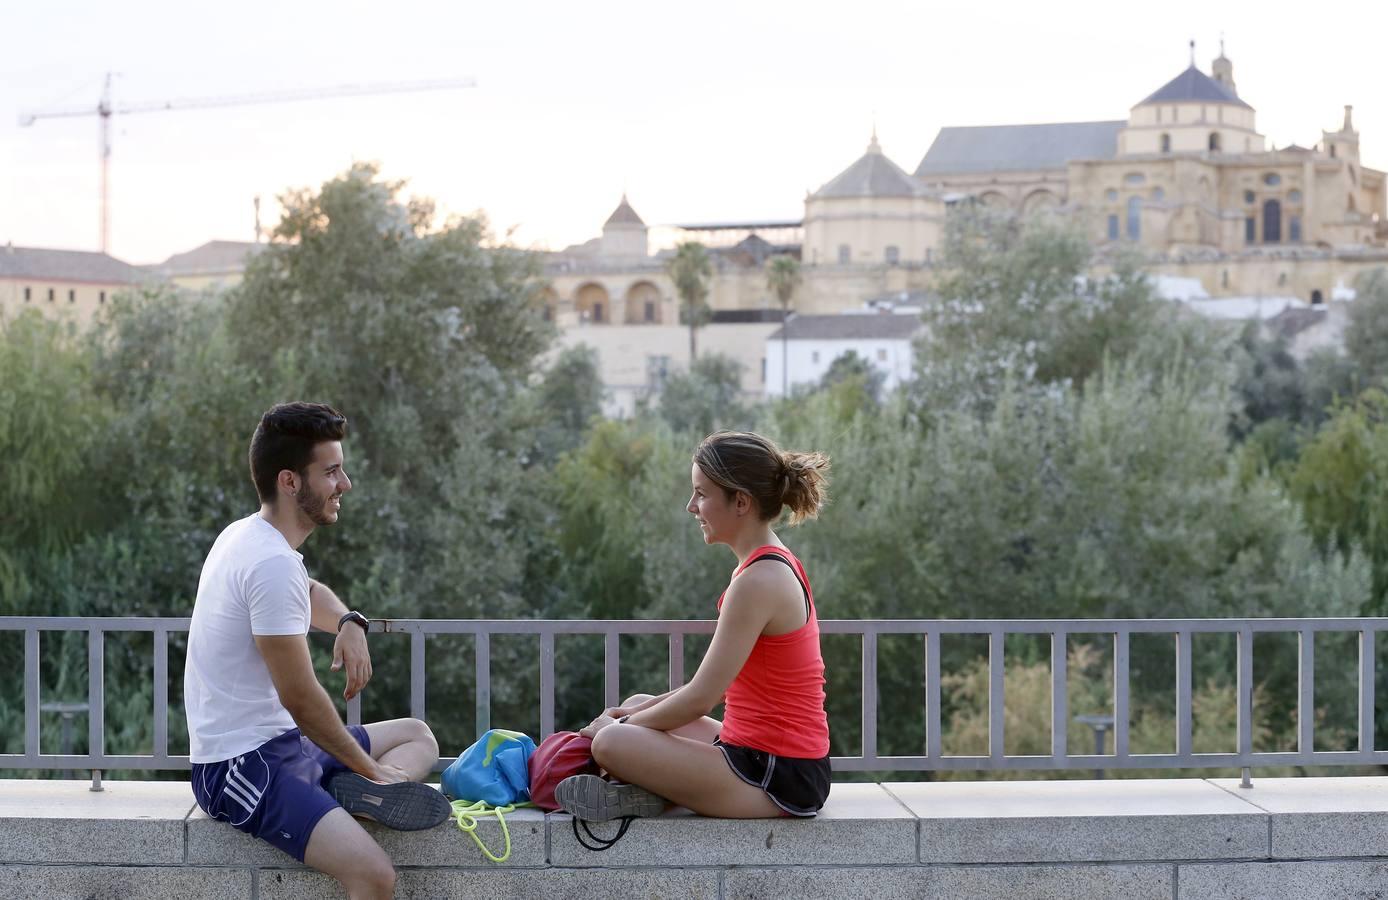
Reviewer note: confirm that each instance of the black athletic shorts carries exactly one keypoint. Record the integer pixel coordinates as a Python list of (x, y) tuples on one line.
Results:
[(798, 786)]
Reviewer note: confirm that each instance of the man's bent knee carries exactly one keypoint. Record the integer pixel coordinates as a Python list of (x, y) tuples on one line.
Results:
[(376, 881)]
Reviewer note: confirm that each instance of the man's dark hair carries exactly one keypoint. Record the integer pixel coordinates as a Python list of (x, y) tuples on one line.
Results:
[(285, 439)]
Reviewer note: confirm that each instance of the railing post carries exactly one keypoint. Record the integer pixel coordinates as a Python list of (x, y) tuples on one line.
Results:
[(1367, 673), (96, 700), (1121, 687), (612, 668), (161, 694), (676, 679), (869, 695), (418, 681), (996, 710), (1245, 700), (546, 684), (1183, 694), (1306, 691), (484, 682), (933, 749), (31, 694), (1060, 699)]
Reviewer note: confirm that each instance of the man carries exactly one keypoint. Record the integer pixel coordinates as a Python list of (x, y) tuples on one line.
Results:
[(270, 755)]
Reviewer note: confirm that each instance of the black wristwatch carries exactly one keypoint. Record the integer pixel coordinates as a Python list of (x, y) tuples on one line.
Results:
[(356, 617)]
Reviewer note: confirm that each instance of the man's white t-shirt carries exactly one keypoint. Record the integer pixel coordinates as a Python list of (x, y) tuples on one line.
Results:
[(253, 583)]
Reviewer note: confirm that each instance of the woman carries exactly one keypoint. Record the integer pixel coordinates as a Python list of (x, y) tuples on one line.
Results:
[(770, 754)]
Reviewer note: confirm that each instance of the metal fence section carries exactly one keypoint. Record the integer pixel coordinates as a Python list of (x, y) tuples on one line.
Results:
[(930, 632)]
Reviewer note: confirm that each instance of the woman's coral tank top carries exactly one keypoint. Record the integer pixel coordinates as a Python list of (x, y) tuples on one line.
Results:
[(776, 703)]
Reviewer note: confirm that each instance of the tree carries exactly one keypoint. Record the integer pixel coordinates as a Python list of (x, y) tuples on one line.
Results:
[(691, 268), (783, 277), (570, 397), (705, 398), (1366, 335)]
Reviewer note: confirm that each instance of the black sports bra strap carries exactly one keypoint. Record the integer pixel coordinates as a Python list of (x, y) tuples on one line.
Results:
[(805, 588)]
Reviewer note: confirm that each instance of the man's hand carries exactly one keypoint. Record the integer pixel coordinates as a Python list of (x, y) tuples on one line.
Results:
[(350, 652), (388, 774)]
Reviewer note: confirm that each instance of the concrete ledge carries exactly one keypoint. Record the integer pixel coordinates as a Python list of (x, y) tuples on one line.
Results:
[(1301, 838), (1082, 821)]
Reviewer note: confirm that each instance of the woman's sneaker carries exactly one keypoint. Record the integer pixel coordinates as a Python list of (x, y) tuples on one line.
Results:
[(404, 806), (595, 799)]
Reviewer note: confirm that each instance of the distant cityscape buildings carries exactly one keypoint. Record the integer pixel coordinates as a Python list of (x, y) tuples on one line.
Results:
[(1186, 178)]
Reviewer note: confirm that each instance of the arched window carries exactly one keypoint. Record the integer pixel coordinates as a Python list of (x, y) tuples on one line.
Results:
[(1166, 143), (1317, 298), (1214, 141), (1249, 197), (1272, 179), (1294, 229), (1272, 222), (1113, 227), (1134, 218), (893, 255), (1111, 195), (1294, 198)]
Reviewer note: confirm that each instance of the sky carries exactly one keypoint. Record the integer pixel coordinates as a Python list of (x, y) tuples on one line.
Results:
[(705, 112)]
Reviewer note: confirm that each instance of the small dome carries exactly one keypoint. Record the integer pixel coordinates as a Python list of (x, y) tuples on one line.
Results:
[(873, 175)]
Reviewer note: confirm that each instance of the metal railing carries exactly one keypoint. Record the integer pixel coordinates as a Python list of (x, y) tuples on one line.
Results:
[(869, 631)]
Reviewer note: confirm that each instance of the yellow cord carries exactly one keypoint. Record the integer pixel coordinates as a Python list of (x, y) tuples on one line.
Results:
[(467, 815)]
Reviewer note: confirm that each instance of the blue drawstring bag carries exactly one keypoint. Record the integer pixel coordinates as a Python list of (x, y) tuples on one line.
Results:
[(495, 770)]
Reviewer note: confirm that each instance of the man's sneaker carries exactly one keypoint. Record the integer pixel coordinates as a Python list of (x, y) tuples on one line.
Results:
[(404, 806), (594, 799)]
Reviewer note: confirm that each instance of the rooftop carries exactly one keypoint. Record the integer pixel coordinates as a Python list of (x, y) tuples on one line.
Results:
[(211, 257), (67, 265), (623, 215), (1018, 148), (873, 175), (849, 327), (1194, 85)]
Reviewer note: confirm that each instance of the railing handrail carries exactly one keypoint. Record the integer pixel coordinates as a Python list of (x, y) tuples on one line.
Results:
[(869, 630)]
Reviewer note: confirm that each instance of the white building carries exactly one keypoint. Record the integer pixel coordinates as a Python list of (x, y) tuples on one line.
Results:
[(634, 360), (810, 344)]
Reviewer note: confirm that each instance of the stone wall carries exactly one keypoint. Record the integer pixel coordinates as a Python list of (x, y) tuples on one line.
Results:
[(1135, 839)]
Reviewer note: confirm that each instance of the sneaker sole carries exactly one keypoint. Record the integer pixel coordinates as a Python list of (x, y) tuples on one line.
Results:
[(404, 806), (594, 799)]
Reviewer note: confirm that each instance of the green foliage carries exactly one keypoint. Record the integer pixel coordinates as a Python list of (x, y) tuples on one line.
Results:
[(1341, 480), (706, 398), (1366, 335)]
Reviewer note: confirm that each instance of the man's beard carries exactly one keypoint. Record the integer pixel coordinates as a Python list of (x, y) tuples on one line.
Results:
[(313, 506)]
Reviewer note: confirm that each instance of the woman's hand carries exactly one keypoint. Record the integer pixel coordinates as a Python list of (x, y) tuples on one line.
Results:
[(616, 712), (598, 724)]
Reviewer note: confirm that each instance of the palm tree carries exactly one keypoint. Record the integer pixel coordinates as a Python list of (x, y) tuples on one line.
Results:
[(690, 269), (783, 277)]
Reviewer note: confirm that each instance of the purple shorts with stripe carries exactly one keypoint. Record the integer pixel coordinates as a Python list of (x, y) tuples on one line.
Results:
[(274, 792)]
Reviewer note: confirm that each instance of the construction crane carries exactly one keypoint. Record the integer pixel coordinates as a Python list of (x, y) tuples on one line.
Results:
[(105, 109)]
